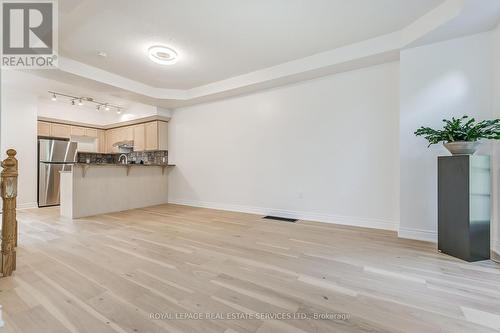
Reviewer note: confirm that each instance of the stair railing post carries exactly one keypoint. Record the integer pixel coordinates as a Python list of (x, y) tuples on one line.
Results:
[(8, 191)]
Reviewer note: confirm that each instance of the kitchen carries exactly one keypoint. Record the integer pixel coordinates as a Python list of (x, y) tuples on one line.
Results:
[(89, 169)]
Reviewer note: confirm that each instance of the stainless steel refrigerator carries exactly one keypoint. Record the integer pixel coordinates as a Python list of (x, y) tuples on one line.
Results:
[(54, 156)]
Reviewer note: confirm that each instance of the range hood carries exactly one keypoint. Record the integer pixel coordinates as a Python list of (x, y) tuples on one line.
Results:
[(124, 144)]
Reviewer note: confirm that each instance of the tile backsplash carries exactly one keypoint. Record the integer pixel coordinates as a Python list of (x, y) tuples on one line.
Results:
[(147, 157)]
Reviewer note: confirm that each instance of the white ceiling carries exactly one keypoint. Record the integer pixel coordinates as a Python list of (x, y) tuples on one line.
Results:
[(476, 16), (232, 47), (220, 39)]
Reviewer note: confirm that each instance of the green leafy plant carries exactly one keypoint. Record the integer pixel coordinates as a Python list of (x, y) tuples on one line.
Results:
[(461, 129)]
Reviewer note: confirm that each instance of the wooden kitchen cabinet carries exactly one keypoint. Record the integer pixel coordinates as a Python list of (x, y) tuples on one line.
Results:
[(77, 131), (127, 133), (60, 131), (162, 135), (147, 136), (91, 133), (151, 130), (101, 141), (139, 137), (112, 136), (156, 135), (43, 129)]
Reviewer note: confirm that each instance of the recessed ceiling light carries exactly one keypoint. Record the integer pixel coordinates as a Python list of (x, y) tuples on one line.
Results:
[(102, 54), (162, 55)]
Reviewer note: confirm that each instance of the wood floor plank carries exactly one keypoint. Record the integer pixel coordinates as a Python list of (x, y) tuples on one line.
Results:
[(154, 269)]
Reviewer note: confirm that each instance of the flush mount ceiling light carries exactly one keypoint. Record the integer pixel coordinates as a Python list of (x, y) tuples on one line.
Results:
[(162, 55)]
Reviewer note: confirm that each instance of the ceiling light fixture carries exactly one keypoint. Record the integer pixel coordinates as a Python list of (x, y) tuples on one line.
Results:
[(81, 99), (162, 55)]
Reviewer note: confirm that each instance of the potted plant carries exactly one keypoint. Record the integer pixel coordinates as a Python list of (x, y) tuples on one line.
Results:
[(461, 136)]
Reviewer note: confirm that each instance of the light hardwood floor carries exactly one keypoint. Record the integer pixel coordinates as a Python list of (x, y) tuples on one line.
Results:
[(109, 273)]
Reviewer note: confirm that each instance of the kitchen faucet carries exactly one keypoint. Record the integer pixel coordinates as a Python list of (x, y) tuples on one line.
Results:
[(125, 160)]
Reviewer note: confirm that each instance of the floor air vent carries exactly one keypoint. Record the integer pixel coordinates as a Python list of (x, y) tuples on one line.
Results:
[(277, 218)]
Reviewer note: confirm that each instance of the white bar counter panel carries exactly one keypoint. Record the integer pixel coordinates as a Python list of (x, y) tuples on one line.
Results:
[(95, 189)]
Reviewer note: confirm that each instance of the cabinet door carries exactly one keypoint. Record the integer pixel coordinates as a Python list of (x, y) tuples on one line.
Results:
[(151, 135), (128, 133), (162, 135), (77, 131), (60, 131), (91, 133), (110, 139), (101, 141), (43, 128), (139, 137)]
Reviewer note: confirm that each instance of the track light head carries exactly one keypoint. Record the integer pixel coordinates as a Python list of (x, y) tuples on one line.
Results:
[(72, 102), (80, 102), (54, 97), (106, 108)]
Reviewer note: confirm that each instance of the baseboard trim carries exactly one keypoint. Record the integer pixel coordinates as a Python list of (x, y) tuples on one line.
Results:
[(495, 252), (299, 215), (418, 234)]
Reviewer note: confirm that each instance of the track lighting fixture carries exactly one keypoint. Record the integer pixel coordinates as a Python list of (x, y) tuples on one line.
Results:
[(82, 99)]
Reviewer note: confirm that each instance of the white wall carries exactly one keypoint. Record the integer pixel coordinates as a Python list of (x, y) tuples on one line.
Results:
[(18, 130), (325, 150), (441, 80)]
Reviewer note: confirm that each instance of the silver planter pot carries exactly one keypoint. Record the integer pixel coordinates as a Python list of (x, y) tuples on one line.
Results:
[(462, 147)]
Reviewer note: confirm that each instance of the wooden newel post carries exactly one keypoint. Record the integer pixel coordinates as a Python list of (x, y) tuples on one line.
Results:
[(9, 223)]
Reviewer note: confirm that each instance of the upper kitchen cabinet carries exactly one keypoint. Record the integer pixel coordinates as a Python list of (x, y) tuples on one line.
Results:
[(156, 135), (101, 141), (92, 133), (146, 136), (162, 135), (77, 131), (151, 135), (84, 132), (43, 128), (140, 137), (112, 137), (60, 131), (126, 133)]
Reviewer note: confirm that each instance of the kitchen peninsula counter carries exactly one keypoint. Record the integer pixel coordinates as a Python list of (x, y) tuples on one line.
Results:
[(99, 188)]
